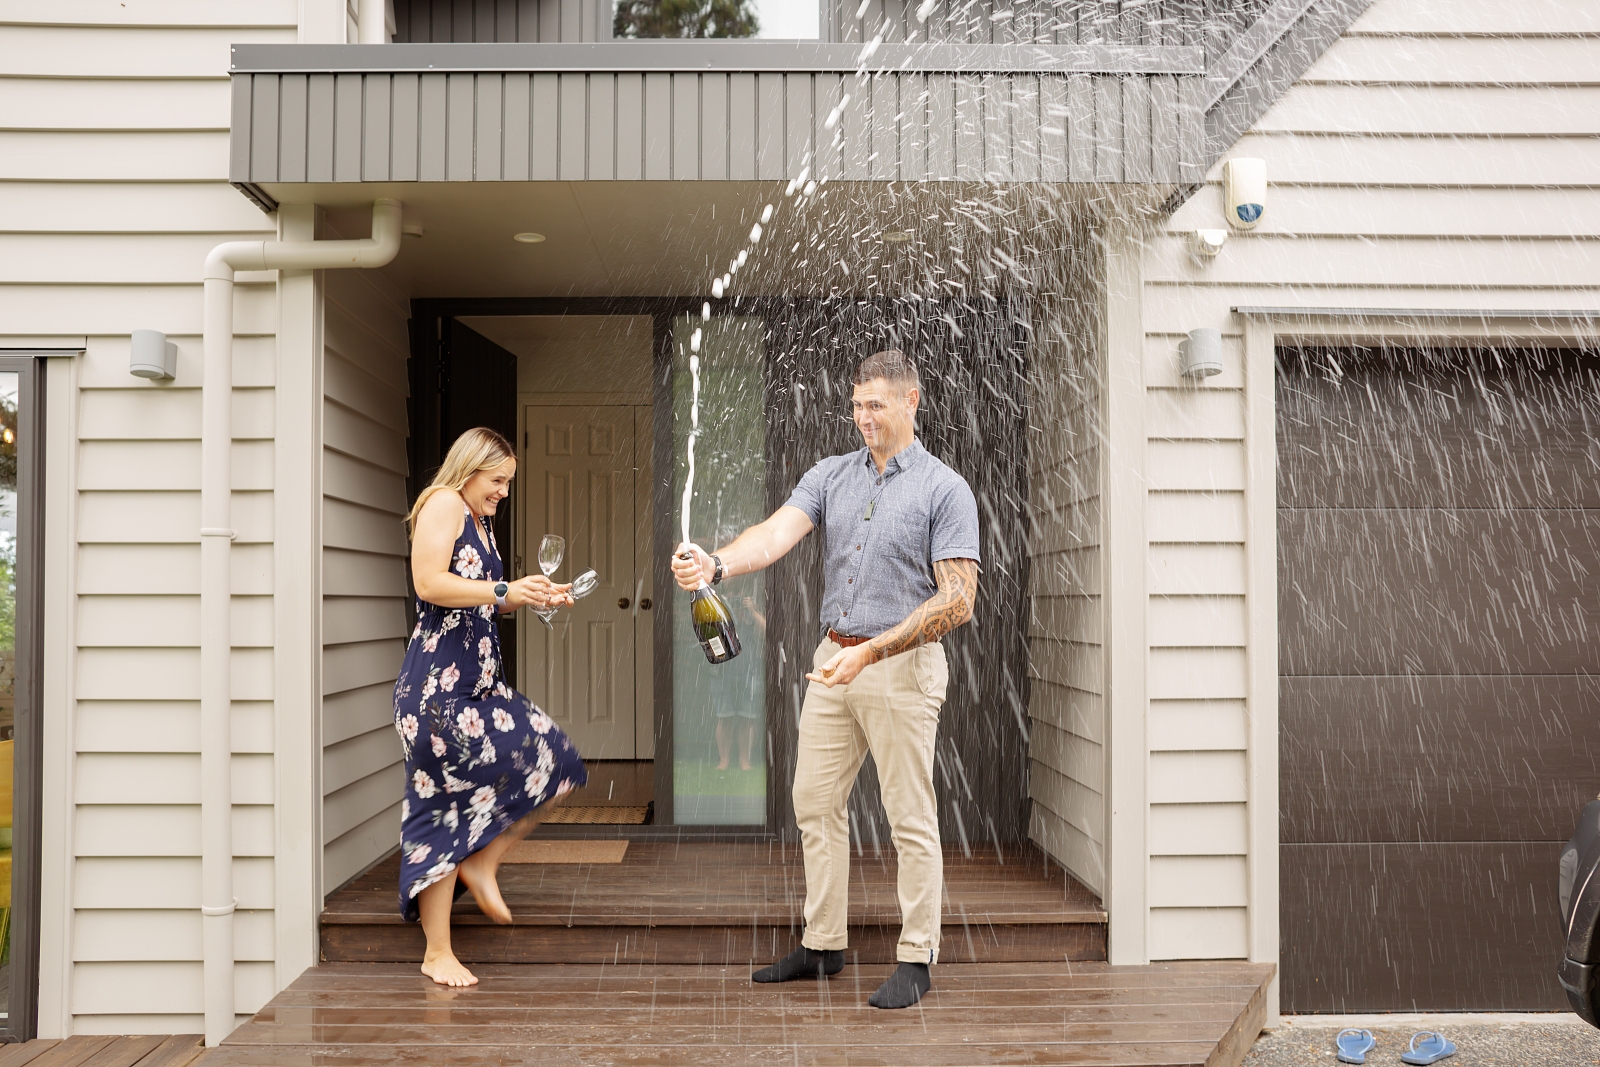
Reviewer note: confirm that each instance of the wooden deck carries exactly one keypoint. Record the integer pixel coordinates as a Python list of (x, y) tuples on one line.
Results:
[(1091, 1015), (646, 963), (152, 1050), (726, 903)]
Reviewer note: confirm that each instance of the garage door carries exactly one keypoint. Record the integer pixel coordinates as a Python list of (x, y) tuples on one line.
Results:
[(1439, 649)]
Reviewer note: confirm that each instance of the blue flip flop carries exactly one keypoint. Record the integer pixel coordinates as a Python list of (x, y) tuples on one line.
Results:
[(1353, 1045), (1427, 1047)]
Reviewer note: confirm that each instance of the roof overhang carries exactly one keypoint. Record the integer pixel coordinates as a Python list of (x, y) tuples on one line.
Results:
[(715, 111), (1150, 117)]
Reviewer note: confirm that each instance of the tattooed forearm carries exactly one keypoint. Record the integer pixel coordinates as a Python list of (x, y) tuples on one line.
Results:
[(951, 606)]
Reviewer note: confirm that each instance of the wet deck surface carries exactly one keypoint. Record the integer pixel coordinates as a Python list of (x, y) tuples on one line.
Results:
[(1083, 1014), (146, 1050)]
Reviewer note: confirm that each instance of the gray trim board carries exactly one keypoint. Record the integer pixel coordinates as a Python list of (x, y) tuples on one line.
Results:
[(1250, 46), (1266, 60), (728, 56), (257, 196), (1417, 313), (1259, 66)]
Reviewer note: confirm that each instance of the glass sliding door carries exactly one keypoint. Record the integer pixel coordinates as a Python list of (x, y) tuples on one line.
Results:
[(9, 388), (719, 759), (19, 726)]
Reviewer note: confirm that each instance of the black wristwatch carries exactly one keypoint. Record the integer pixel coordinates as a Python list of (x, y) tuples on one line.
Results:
[(718, 573), (500, 591)]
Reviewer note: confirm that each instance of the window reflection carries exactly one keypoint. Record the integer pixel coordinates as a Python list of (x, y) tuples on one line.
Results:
[(8, 662), (719, 764)]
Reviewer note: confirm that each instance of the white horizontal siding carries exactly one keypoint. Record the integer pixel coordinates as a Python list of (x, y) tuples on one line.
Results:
[(161, 988), (167, 569), (364, 610), (165, 726), (158, 883), (1199, 933), (1066, 709), (1438, 155), (113, 167), (1538, 18)]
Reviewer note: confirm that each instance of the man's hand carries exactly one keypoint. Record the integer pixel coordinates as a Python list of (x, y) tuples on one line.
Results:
[(692, 571), (844, 666)]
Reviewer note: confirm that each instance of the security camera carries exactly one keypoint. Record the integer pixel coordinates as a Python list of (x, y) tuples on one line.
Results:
[(1244, 191), (1207, 243)]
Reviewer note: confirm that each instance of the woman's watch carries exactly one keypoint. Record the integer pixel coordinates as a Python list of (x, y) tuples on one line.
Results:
[(500, 591), (717, 573)]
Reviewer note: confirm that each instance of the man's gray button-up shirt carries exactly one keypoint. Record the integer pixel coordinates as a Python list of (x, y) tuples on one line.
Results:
[(882, 534)]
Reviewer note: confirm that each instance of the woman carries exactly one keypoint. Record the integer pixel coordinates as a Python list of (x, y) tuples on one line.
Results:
[(482, 763)]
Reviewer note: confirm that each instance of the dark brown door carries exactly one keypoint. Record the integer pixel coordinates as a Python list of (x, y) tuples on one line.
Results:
[(1439, 650)]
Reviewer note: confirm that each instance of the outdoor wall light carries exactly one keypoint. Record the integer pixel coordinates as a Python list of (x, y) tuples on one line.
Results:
[(1244, 192), (152, 355), (411, 229), (1200, 354), (1207, 243), (529, 238)]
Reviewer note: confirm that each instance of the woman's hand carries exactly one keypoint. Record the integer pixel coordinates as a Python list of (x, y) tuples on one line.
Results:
[(692, 571), (537, 591)]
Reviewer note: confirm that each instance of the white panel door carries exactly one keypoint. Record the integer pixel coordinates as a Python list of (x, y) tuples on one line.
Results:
[(579, 481)]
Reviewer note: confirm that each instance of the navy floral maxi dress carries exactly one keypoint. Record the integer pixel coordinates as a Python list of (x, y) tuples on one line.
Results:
[(479, 755)]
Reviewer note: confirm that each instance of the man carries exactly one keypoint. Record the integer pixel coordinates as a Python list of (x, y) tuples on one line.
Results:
[(900, 553)]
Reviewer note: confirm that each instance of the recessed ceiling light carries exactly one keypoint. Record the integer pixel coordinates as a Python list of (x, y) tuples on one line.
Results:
[(529, 238), (897, 237)]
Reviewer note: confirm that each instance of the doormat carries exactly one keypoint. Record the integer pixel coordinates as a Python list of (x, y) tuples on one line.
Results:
[(626, 815), (566, 852)]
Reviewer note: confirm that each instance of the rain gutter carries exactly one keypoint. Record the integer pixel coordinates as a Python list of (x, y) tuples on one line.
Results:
[(217, 902), (741, 56)]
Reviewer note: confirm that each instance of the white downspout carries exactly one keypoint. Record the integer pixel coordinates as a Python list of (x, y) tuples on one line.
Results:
[(216, 543), (372, 22)]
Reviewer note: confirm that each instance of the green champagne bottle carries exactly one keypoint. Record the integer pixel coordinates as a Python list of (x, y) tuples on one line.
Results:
[(713, 624)]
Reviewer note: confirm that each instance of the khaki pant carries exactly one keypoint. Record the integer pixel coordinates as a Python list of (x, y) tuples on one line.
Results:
[(891, 710)]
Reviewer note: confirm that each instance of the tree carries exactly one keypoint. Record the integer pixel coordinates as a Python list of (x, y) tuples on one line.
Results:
[(684, 18)]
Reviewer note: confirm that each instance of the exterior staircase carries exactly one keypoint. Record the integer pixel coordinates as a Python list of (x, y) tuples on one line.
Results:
[(724, 903)]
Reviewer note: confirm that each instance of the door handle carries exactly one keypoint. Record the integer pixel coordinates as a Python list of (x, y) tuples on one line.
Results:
[(645, 604), (622, 602)]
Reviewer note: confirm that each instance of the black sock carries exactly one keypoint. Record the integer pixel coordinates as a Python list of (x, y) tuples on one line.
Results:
[(802, 963), (903, 988)]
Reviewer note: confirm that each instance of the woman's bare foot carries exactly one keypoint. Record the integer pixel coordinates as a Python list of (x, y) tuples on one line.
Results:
[(722, 766), (744, 765), (479, 877), (445, 969)]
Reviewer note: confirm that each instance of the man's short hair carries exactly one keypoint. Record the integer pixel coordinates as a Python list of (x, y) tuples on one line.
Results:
[(893, 365)]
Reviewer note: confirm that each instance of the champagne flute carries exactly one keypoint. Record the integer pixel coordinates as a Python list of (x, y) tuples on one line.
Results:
[(551, 548)]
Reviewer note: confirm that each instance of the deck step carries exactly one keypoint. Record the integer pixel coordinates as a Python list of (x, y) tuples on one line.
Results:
[(1084, 1014), (725, 903)]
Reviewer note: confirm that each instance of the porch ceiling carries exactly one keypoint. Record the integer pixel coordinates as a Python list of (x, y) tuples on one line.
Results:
[(671, 238)]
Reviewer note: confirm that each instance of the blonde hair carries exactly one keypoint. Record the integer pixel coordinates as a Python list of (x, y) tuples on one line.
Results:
[(479, 449)]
